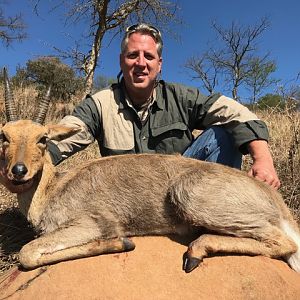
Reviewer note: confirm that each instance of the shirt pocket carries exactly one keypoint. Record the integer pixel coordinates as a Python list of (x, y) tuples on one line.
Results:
[(170, 138)]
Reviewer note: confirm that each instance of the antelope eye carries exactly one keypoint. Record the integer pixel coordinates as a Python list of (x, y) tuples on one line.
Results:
[(4, 139), (42, 140)]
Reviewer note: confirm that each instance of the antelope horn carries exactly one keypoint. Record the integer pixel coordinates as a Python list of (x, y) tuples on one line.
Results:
[(43, 108), (10, 108)]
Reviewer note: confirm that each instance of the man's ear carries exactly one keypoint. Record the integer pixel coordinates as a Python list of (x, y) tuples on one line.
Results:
[(121, 60), (60, 132), (160, 64)]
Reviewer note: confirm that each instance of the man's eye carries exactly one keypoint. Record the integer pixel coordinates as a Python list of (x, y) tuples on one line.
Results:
[(131, 56), (149, 57)]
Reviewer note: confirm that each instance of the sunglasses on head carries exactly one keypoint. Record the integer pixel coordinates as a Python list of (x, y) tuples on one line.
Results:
[(135, 26)]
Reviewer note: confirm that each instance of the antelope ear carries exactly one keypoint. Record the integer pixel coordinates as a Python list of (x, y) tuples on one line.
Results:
[(60, 132)]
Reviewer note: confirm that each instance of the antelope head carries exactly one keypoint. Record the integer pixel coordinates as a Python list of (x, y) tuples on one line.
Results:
[(24, 142)]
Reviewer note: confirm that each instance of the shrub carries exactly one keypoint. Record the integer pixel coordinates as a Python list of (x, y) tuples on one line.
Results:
[(46, 71)]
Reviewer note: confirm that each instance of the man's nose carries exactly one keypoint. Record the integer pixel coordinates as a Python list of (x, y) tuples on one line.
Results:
[(141, 60)]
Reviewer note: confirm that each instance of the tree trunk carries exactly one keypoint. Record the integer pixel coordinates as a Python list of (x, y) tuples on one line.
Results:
[(234, 93), (92, 60)]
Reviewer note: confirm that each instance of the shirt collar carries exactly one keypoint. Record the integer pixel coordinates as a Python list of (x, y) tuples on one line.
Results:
[(158, 95), (123, 104), (126, 102)]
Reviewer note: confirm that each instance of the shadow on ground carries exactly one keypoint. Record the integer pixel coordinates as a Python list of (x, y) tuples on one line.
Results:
[(15, 231)]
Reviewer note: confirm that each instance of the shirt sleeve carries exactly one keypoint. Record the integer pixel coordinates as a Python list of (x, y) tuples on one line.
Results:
[(244, 125), (85, 116)]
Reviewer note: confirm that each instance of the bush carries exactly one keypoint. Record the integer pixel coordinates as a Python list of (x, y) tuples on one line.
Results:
[(270, 101), (46, 71)]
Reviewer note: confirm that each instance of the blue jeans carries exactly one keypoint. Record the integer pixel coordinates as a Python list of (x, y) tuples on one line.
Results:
[(215, 144)]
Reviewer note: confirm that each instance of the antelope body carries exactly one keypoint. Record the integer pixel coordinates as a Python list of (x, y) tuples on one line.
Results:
[(96, 207)]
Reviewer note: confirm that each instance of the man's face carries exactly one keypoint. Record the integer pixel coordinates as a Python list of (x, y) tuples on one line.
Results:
[(140, 63)]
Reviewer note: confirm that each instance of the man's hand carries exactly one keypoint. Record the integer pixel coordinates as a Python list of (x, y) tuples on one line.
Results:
[(263, 167)]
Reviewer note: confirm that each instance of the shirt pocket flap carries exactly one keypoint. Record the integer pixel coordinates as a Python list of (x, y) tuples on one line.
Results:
[(168, 128)]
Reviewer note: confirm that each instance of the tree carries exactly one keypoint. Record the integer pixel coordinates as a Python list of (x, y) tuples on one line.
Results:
[(290, 92), (258, 76), (239, 44), (270, 100), (12, 28), (102, 81), (206, 70), (21, 78), (46, 71), (232, 59), (108, 16)]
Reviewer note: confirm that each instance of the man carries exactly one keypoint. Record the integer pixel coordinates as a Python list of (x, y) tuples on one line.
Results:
[(141, 114)]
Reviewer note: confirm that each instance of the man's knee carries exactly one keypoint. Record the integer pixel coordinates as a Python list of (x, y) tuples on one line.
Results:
[(215, 144)]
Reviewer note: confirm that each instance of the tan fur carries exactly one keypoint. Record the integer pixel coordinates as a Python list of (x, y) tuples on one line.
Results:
[(95, 207)]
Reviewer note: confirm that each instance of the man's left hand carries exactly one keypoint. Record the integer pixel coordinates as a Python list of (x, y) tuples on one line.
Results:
[(265, 171), (263, 168)]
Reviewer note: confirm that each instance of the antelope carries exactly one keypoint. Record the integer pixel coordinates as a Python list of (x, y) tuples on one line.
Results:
[(96, 207)]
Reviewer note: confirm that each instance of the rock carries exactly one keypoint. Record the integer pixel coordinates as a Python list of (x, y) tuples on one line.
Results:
[(154, 271)]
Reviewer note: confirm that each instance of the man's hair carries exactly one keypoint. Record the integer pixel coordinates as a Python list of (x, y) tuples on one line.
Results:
[(143, 28)]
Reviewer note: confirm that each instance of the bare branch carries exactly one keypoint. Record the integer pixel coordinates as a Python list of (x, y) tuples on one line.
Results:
[(107, 16), (239, 45), (205, 70), (257, 75), (11, 29)]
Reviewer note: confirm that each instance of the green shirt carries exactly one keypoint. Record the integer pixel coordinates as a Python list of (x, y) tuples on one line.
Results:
[(177, 110)]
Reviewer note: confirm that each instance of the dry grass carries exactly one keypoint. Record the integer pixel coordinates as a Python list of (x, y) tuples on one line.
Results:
[(27, 102), (284, 128), (285, 146), (284, 143)]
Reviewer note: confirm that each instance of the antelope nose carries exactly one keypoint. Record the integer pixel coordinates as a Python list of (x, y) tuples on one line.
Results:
[(19, 170)]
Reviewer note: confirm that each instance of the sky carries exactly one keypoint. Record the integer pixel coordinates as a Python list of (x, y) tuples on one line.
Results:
[(281, 39)]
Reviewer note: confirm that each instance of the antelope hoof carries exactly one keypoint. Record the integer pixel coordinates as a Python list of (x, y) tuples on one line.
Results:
[(190, 263), (128, 245)]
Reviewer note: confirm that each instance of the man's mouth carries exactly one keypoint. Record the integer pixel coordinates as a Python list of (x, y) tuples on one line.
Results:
[(140, 74)]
